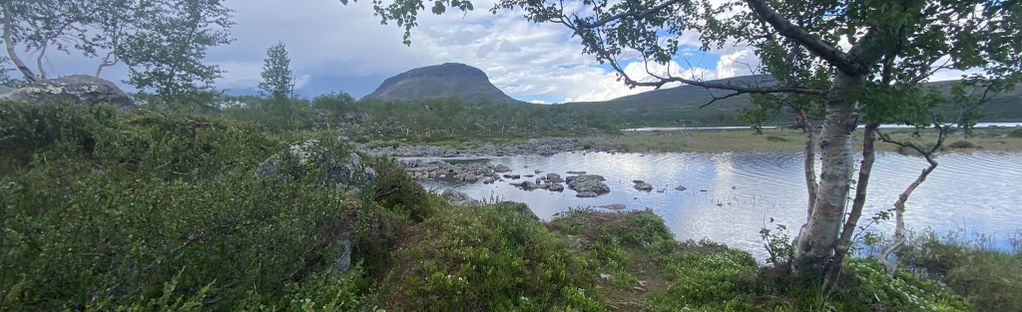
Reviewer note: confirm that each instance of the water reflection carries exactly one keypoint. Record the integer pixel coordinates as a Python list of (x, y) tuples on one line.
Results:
[(730, 196)]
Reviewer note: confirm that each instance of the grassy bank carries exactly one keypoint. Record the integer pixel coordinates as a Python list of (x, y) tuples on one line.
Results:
[(102, 210), (786, 140)]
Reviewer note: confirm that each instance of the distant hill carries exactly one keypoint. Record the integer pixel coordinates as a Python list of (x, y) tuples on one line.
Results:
[(446, 80), (680, 105), (676, 106)]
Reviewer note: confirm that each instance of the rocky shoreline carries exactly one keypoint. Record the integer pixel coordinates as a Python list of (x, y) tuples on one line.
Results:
[(539, 146)]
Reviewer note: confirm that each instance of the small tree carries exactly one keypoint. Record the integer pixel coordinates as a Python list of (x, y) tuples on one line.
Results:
[(278, 80), (163, 42)]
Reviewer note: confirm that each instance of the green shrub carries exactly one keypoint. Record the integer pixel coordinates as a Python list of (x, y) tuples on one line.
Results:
[(991, 280), (962, 144), (162, 211), (869, 287), (27, 128), (489, 258)]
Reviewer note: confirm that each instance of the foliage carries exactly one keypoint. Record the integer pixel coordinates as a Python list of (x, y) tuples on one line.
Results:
[(163, 42), (164, 211), (991, 280), (168, 60), (488, 258), (278, 80)]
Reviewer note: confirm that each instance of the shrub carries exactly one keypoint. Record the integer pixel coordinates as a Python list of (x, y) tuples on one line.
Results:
[(962, 144), (991, 280), (489, 258), (1017, 133)]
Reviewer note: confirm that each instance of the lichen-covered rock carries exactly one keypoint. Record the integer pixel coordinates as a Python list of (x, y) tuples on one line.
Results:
[(77, 89), (337, 165)]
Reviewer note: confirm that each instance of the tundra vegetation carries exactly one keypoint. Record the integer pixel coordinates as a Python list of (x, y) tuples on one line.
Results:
[(171, 207)]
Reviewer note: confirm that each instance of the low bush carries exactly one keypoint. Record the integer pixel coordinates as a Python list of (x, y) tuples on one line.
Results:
[(488, 258)]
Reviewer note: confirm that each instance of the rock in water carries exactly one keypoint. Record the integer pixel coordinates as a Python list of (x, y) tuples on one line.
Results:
[(501, 168), (588, 183), (613, 207), (344, 168), (77, 89), (643, 186)]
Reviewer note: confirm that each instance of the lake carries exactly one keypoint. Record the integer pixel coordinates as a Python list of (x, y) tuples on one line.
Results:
[(731, 196)]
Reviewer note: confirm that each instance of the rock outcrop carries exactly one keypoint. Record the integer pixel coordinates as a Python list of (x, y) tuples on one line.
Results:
[(344, 168), (77, 89)]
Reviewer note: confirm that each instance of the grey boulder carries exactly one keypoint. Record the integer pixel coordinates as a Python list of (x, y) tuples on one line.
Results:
[(76, 89)]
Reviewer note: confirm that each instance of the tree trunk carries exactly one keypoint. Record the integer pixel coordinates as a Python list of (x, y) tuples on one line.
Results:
[(817, 238), (865, 169), (810, 161), (9, 41)]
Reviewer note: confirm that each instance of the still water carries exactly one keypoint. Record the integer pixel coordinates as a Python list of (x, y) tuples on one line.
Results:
[(731, 196)]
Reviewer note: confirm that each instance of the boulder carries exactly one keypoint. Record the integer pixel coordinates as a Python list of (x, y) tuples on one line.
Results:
[(643, 186), (457, 198), (588, 183), (500, 168), (576, 172), (527, 185), (77, 89), (512, 176), (341, 167), (586, 194), (555, 187), (553, 178), (681, 188)]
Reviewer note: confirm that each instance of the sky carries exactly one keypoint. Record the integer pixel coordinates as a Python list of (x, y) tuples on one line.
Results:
[(335, 47)]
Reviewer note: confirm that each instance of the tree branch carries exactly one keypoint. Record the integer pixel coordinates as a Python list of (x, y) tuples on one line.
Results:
[(579, 24), (814, 44)]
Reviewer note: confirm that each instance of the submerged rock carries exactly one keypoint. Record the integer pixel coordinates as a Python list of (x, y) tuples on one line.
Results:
[(680, 188), (613, 207)]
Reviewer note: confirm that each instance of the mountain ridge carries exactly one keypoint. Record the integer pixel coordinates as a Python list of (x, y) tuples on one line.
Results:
[(440, 81)]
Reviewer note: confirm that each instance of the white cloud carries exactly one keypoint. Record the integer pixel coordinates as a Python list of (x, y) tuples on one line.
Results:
[(609, 87)]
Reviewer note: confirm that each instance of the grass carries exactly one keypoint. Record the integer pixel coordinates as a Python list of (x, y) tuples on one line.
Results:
[(785, 140)]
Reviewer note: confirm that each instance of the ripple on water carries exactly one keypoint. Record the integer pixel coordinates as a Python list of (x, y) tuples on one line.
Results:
[(744, 191)]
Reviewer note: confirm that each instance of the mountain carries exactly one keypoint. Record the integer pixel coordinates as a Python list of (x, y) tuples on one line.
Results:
[(440, 81), (681, 105)]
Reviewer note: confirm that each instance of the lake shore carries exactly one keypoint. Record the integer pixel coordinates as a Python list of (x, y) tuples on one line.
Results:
[(791, 140), (698, 141)]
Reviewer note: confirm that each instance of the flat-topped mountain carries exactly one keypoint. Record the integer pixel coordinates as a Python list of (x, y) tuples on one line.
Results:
[(446, 80)]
